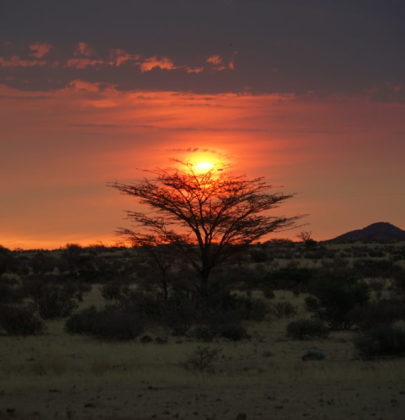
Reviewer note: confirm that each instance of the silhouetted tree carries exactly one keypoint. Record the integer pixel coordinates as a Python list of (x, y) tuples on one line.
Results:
[(160, 253), (214, 213)]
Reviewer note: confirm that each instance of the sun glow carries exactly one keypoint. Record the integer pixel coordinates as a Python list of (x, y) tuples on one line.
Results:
[(203, 166)]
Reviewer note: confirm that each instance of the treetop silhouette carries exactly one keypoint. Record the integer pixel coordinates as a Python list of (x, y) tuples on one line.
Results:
[(206, 216)]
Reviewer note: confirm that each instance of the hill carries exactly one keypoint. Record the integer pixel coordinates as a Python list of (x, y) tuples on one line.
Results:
[(376, 232)]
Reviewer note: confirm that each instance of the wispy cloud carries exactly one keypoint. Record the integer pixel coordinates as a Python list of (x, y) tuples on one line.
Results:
[(16, 61), (163, 63), (84, 56), (83, 49), (40, 49)]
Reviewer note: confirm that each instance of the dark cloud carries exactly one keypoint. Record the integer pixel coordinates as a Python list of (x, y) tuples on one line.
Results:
[(284, 46)]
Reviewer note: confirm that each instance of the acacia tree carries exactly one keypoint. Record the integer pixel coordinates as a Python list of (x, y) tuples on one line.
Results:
[(206, 216), (160, 253)]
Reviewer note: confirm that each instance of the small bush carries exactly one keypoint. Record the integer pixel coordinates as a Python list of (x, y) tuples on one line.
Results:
[(283, 309), (146, 304), (10, 288), (55, 302), (382, 312), (82, 322), (17, 320), (233, 332), (237, 307), (202, 359), (307, 329), (179, 314), (380, 342), (111, 323), (288, 278), (202, 333), (312, 304), (337, 295), (115, 290), (375, 268)]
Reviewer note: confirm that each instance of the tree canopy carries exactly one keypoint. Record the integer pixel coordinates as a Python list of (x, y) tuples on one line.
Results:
[(207, 216)]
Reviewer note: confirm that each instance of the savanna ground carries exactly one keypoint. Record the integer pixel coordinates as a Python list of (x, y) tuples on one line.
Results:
[(57, 375)]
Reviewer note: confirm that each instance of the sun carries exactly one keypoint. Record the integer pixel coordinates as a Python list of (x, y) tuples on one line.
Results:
[(203, 166)]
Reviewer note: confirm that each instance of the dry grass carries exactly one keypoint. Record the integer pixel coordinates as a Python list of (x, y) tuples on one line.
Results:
[(61, 376)]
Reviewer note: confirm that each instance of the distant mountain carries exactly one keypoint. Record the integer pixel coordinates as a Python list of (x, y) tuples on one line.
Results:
[(376, 232)]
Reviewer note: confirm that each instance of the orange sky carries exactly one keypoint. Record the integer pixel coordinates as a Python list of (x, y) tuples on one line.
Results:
[(341, 155)]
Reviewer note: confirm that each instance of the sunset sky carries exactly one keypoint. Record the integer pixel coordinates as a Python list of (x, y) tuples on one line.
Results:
[(309, 94)]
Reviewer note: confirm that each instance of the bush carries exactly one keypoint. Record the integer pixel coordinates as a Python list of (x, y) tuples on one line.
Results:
[(18, 320), (112, 323), (337, 295), (179, 313), (375, 268), (233, 332), (10, 288), (306, 329), (288, 278), (146, 304), (283, 309), (115, 290), (380, 342), (236, 307), (202, 359), (229, 331), (382, 312), (55, 302), (202, 333)]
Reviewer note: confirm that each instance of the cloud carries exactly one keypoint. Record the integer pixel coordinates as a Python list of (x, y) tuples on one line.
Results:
[(328, 47), (83, 63), (84, 49), (120, 57), (83, 86), (195, 70), (219, 63), (151, 63), (16, 61), (388, 92), (39, 49)]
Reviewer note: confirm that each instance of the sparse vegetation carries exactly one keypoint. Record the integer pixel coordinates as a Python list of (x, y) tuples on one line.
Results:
[(381, 342), (307, 329), (259, 338), (337, 294), (111, 323), (20, 320), (202, 359)]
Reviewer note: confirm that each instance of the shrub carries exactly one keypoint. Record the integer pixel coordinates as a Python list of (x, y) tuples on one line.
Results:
[(115, 290), (179, 313), (112, 322), (202, 359), (307, 328), (10, 288), (312, 304), (229, 331), (233, 332), (375, 268), (258, 255), (55, 302), (283, 309), (146, 304), (336, 296), (380, 342), (288, 278), (382, 312), (237, 307), (202, 333), (82, 322), (18, 320)]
